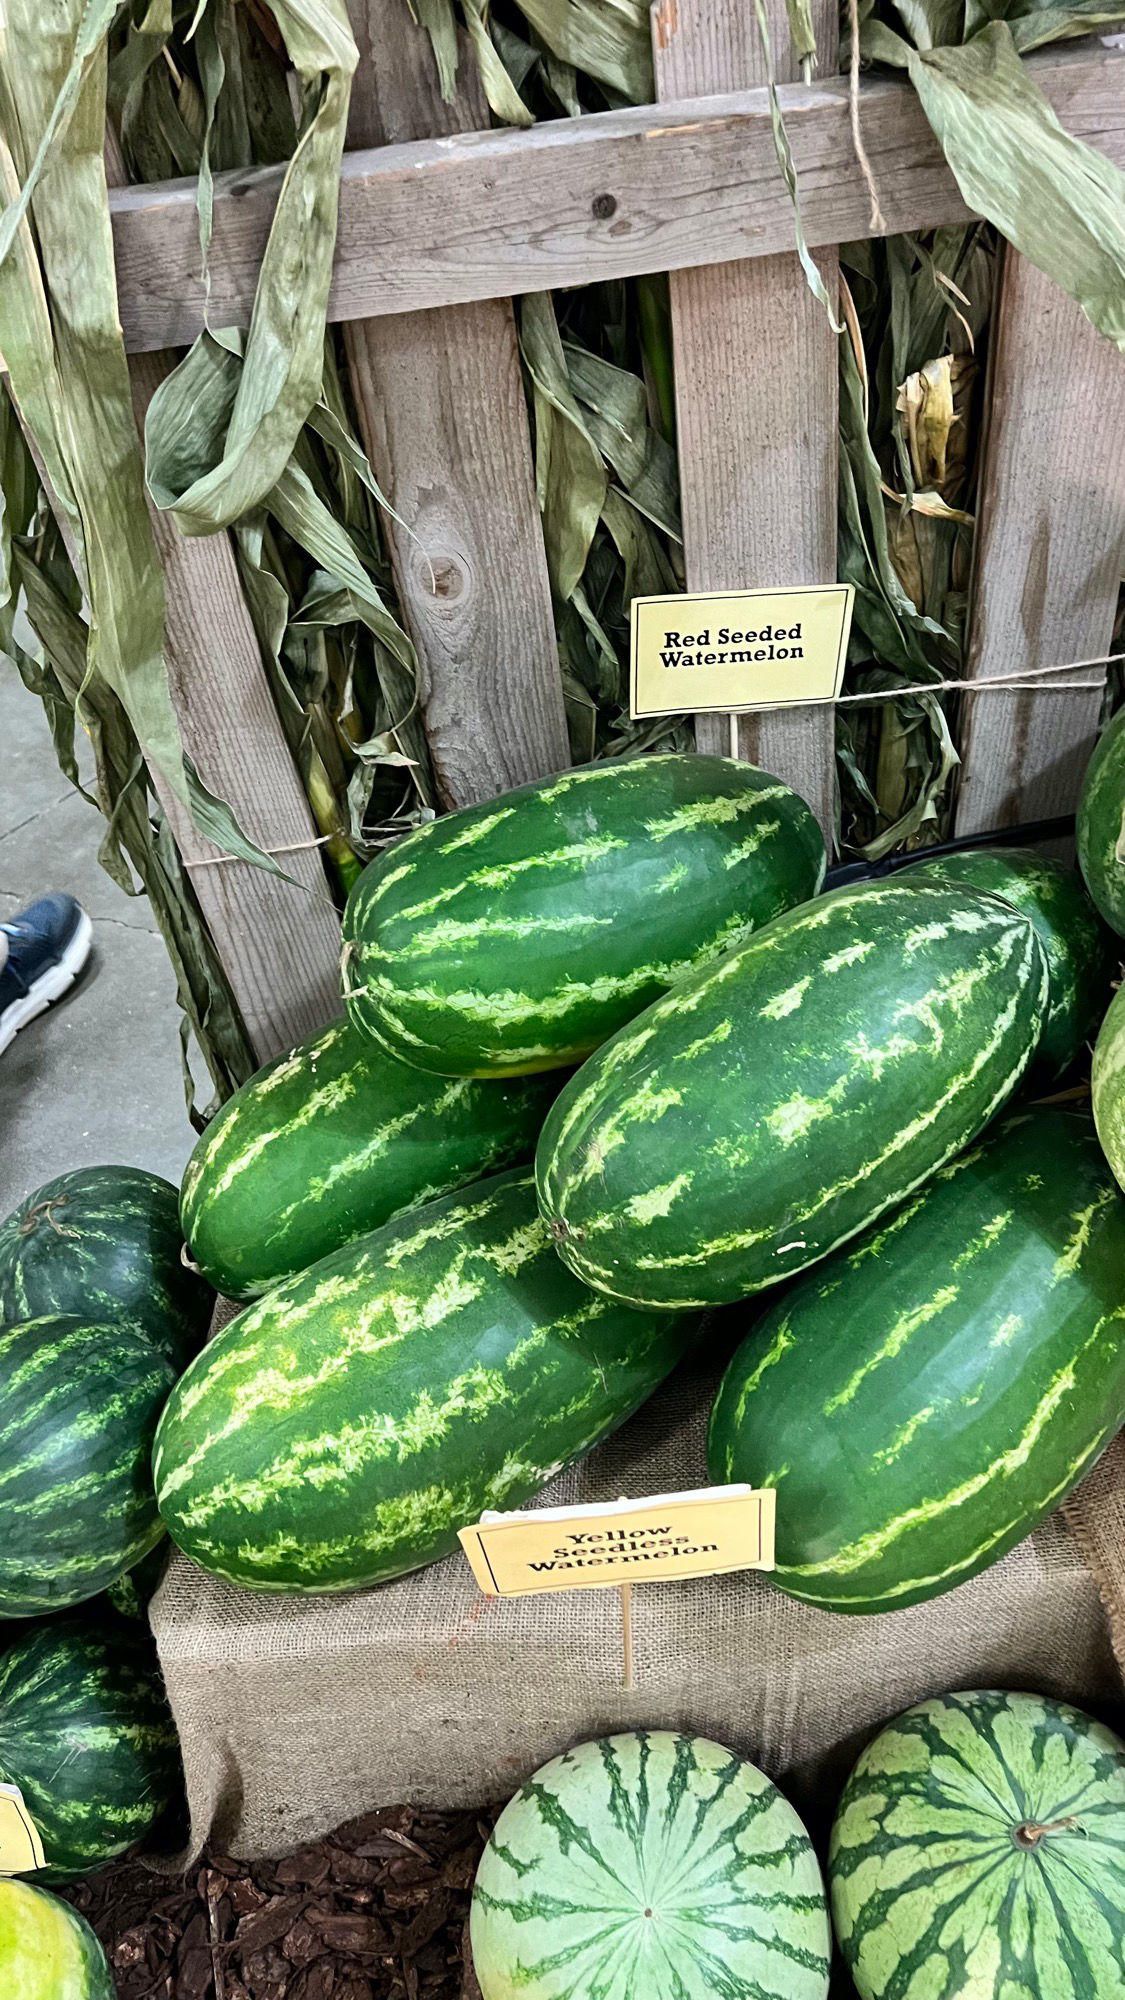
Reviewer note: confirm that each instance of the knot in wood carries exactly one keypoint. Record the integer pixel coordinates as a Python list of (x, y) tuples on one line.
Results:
[(445, 578), (603, 206)]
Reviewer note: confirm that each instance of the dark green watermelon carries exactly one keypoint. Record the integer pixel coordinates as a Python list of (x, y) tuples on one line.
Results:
[(79, 1405), (105, 1243), (87, 1735), (1074, 941), (925, 1397)]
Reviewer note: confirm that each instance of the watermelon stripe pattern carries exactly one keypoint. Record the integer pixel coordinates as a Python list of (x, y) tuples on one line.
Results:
[(78, 1412), (340, 1431), (1101, 824), (104, 1243), (330, 1142), (515, 936), (979, 1854), (1107, 1085), (765, 1111), (650, 1866), (86, 1734), (921, 1402), (47, 1951), (1074, 942)]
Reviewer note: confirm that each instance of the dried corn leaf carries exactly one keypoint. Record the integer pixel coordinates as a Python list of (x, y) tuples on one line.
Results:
[(1060, 202)]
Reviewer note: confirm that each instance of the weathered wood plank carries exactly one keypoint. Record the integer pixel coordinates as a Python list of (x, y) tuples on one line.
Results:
[(1050, 553), (444, 419), (756, 397), (489, 214), (279, 942)]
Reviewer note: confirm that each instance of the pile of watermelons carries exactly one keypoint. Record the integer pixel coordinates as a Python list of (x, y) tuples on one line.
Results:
[(867, 1105)]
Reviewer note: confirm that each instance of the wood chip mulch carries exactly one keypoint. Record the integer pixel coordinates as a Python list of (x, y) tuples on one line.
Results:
[(377, 1911)]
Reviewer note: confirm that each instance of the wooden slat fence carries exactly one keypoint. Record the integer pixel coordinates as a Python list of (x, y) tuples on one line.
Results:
[(439, 228)]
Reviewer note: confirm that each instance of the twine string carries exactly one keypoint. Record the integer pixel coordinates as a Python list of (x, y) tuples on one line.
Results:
[(1023, 680)]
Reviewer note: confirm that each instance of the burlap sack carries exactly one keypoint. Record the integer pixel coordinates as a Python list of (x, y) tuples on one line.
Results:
[(297, 1714)]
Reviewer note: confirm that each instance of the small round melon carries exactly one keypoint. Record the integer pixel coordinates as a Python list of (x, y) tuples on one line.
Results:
[(47, 1951), (649, 1866)]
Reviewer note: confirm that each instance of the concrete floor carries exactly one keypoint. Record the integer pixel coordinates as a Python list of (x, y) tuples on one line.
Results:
[(97, 1079)]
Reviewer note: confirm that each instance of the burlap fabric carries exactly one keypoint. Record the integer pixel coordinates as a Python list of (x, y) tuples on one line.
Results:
[(297, 1714)]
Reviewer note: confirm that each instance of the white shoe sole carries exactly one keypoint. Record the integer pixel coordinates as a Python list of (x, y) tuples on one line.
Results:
[(50, 986)]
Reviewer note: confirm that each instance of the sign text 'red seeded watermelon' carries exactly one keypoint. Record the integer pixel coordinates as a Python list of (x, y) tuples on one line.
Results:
[(515, 936), (771, 1106)]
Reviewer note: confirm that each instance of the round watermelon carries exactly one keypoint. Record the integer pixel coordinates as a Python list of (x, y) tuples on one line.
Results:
[(79, 1405), (105, 1243), (1100, 829), (87, 1735), (514, 936), (1075, 944), (47, 1951), (923, 1399), (650, 1866), (979, 1854)]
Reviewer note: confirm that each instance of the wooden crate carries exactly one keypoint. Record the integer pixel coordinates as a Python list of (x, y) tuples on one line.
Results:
[(439, 227)]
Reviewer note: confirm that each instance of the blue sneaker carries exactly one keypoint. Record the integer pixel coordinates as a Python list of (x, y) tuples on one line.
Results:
[(48, 944)]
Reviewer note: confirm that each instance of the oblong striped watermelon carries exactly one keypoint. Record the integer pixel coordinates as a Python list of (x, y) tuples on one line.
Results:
[(104, 1243), (650, 1866), (1075, 944), (78, 1411), (515, 936), (979, 1854), (330, 1142), (87, 1735), (1107, 1084), (47, 1951), (340, 1431), (770, 1107), (1100, 827), (926, 1397)]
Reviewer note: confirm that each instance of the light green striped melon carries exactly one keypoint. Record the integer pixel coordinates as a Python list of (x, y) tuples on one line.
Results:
[(516, 935), (47, 1951), (979, 1854), (650, 1866)]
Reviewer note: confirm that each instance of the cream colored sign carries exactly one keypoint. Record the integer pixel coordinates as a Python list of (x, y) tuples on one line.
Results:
[(659, 1540), (748, 649), (21, 1849)]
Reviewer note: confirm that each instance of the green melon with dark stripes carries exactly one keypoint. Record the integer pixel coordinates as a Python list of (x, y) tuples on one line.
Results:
[(769, 1108), (87, 1735), (979, 1854), (105, 1243), (515, 936), (1074, 941), (650, 1866), (47, 1951), (921, 1401), (341, 1430), (1100, 829), (330, 1142), (1107, 1083), (79, 1404)]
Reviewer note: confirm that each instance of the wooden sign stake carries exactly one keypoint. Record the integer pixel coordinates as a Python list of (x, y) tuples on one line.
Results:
[(627, 1633)]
